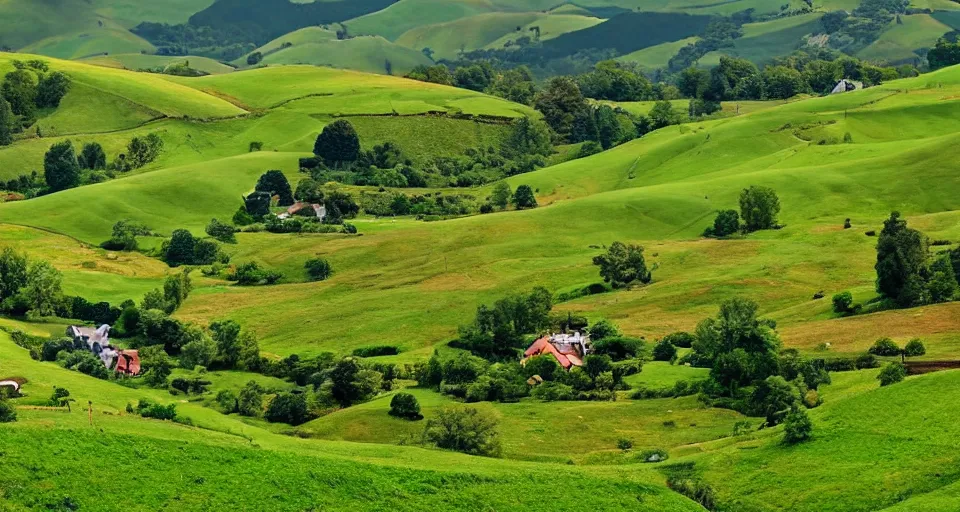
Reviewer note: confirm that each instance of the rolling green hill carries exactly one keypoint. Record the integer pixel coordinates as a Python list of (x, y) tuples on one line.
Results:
[(409, 283)]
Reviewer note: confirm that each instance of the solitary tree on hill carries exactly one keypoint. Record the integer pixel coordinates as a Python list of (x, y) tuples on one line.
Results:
[(759, 207), (901, 259), (622, 265), (60, 167), (337, 144)]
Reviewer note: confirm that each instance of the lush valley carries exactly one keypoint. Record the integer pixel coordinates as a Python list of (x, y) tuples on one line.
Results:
[(343, 290)]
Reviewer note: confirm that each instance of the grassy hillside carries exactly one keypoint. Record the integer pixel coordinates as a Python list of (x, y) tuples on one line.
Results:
[(761, 42), (490, 30), (902, 42), (314, 473), (138, 61)]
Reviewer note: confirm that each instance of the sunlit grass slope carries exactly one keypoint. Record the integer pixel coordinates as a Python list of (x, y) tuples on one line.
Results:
[(490, 30), (282, 473), (138, 61), (893, 445)]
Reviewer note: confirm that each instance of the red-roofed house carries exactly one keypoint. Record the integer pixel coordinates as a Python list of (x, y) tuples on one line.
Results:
[(568, 349), (128, 362)]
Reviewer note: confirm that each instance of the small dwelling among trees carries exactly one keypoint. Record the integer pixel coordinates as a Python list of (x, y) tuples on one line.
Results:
[(305, 209), (846, 86), (568, 349), (97, 341)]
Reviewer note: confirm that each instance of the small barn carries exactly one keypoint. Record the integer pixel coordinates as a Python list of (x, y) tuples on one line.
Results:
[(846, 86)]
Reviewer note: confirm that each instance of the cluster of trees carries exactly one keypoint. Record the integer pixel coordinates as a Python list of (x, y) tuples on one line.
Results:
[(759, 209), (251, 274), (184, 249), (907, 274), (852, 31), (339, 158), (29, 87), (255, 212), (63, 168), (748, 370), (623, 265), (799, 73), (124, 235), (944, 54), (324, 383), (32, 288), (498, 331), (517, 84)]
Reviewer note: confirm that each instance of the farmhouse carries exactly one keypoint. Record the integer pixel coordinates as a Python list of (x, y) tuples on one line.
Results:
[(568, 349), (97, 341), (846, 86), (319, 211)]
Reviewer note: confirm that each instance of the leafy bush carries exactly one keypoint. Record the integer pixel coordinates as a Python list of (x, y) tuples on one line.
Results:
[(664, 351), (843, 302), (680, 339), (148, 409), (654, 455), (619, 347), (866, 361), (914, 348), (603, 329), (222, 231), (623, 265), (376, 350), (288, 408), (466, 430), (892, 374), (318, 269), (8, 414), (405, 405), (885, 347), (250, 274), (553, 392), (624, 444), (797, 428)]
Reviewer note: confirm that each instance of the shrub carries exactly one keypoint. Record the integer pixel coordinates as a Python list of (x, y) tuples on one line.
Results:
[(623, 265), (318, 269), (680, 339), (727, 223), (866, 361), (149, 409), (914, 348), (466, 430), (624, 444), (376, 350), (664, 351), (797, 428), (618, 347), (288, 408), (8, 414), (553, 392), (405, 405), (222, 231), (843, 302), (603, 329), (523, 197), (250, 274), (892, 374), (885, 347)]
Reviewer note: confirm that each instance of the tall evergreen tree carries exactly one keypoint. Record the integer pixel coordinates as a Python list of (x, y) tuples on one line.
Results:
[(60, 167), (276, 184), (901, 259), (338, 143)]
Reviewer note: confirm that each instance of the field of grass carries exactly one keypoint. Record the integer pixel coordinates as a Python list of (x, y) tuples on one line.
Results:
[(658, 56), (490, 30), (137, 61), (900, 42), (410, 284), (761, 42), (284, 473)]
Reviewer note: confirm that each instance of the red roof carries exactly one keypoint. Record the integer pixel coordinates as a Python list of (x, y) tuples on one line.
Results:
[(543, 346), (128, 362)]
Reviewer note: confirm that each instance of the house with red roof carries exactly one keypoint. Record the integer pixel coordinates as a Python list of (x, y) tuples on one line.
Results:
[(568, 349)]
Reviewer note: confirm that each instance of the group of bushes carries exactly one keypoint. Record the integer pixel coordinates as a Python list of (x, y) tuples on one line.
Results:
[(29, 87), (907, 273), (759, 208), (338, 157), (63, 168)]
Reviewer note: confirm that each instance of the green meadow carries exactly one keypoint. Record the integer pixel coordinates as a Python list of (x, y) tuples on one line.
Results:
[(410, 283)]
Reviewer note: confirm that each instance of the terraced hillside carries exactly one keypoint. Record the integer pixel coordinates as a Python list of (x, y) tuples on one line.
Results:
[(409, 284)]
